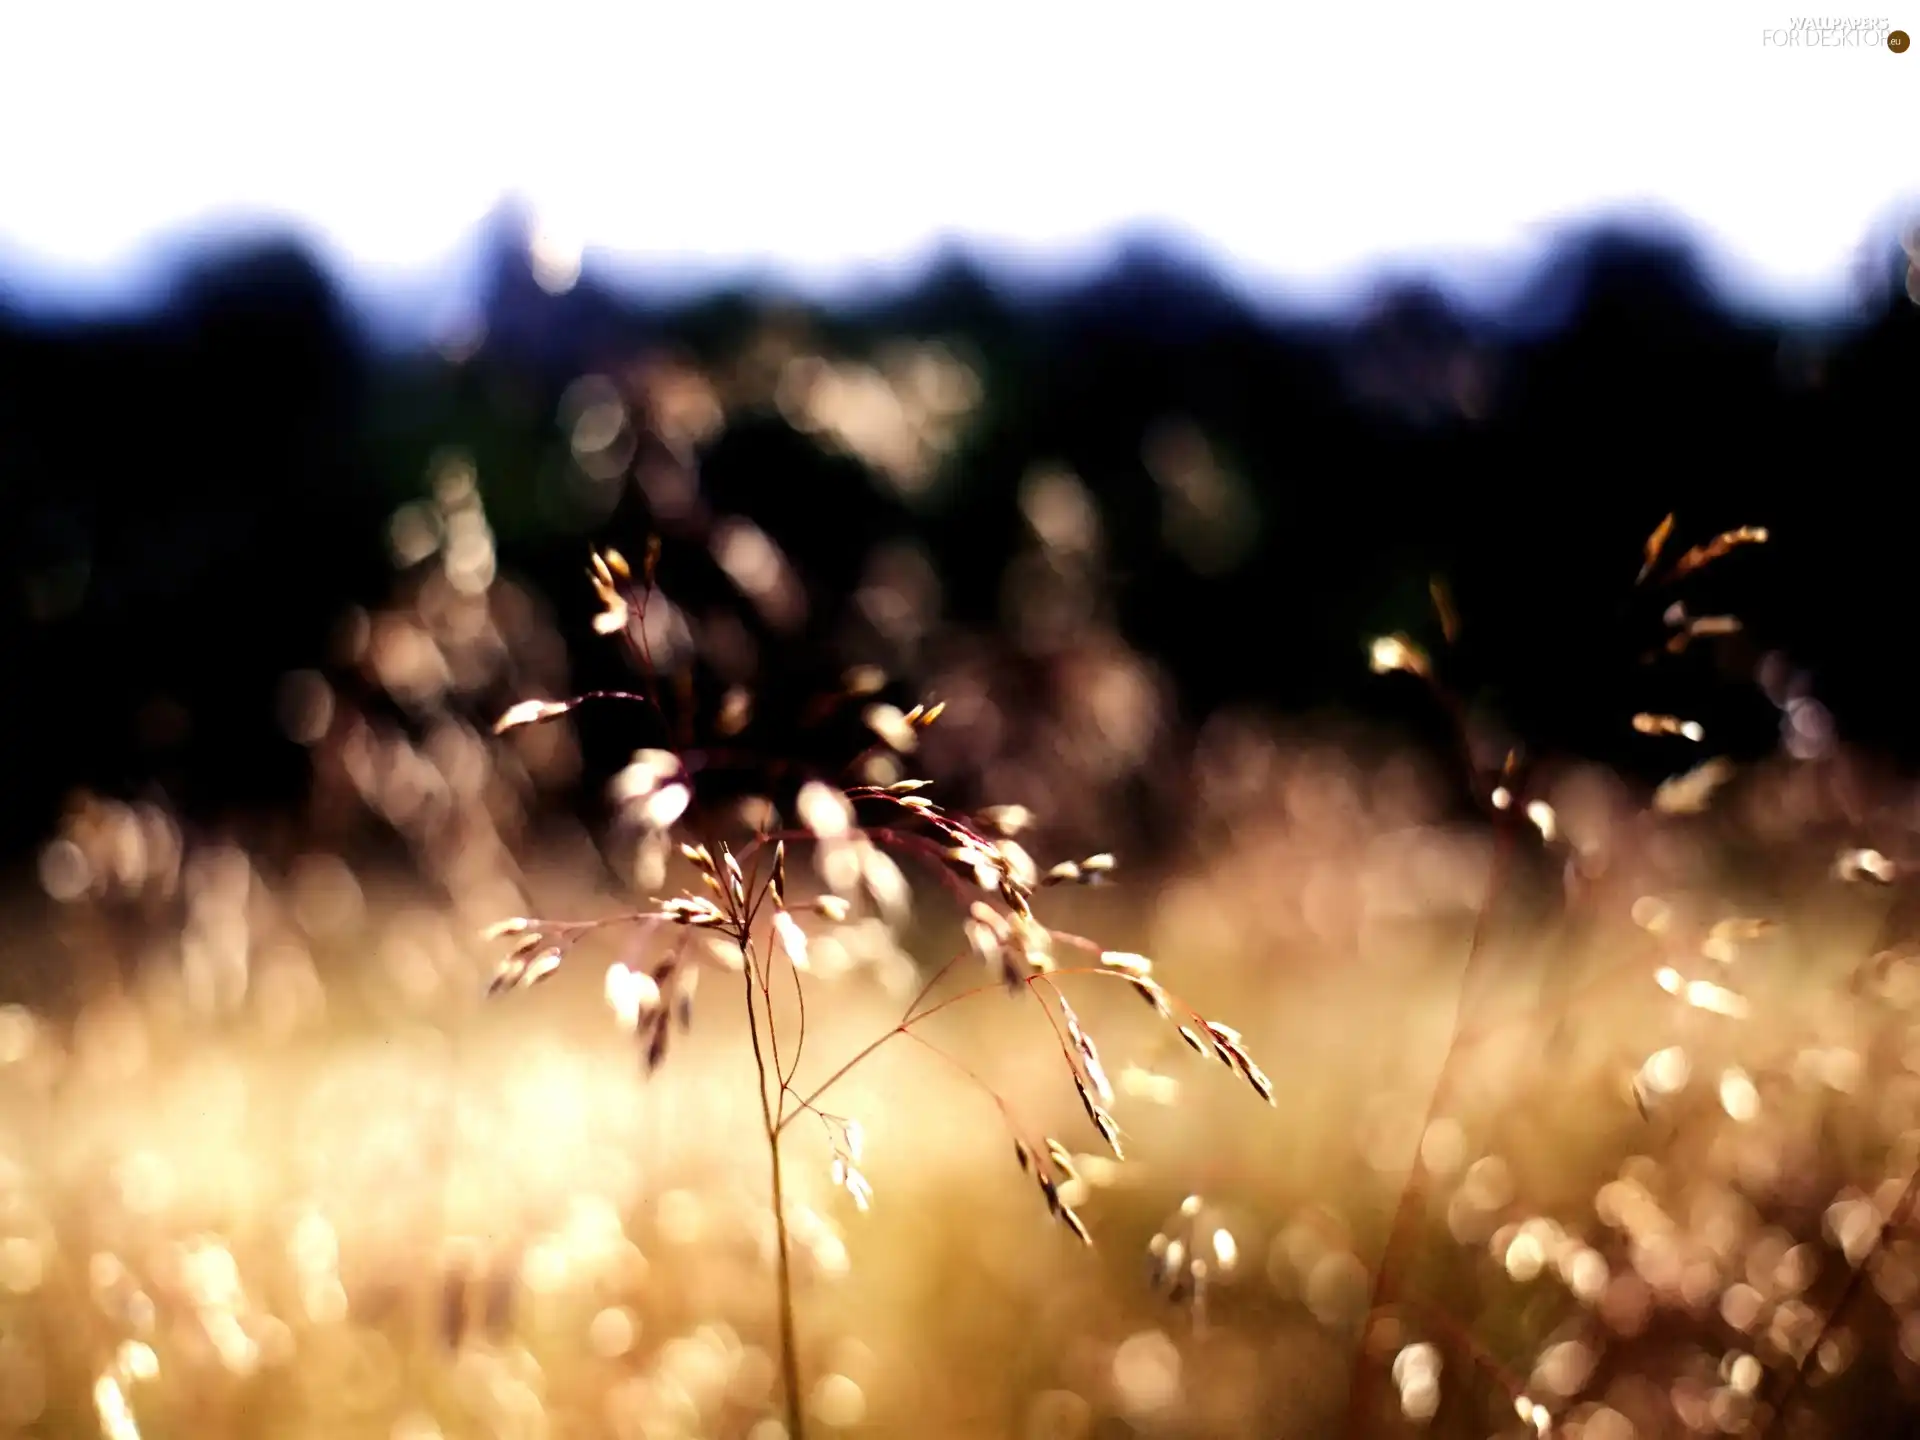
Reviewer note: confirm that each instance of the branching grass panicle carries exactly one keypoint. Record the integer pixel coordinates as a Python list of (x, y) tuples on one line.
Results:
[(742, 918)]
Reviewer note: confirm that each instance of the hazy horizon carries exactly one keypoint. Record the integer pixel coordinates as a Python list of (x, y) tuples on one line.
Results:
[(1305, 154)]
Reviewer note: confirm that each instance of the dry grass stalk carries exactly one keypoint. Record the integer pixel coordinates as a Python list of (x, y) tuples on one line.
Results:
[(855, 820), (1504, 799)]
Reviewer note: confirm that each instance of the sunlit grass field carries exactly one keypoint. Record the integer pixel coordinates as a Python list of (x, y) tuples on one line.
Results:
[(271, 1165)]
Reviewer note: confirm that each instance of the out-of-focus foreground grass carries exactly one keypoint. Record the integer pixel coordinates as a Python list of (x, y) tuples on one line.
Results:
[(271, 1167)]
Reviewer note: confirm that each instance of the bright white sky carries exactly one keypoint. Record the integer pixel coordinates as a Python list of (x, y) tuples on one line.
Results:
[(1304, 141)]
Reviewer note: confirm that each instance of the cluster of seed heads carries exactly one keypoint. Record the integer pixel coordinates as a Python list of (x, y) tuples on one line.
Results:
[(1049, 1174), (740, 916), (1189, 1252), (1226, 1047), (531, 960), (848, 1139)]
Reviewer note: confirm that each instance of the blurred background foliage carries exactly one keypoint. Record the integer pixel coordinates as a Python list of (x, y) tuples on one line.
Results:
[(191, 500)]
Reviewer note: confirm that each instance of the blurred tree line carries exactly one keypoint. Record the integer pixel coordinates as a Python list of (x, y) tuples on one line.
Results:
[(190, 499)]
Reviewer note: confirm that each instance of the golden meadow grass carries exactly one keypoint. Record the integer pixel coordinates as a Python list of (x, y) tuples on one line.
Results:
[(272, 1166), (370, 1206)]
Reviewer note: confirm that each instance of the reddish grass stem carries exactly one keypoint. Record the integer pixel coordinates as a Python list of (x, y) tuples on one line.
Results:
[(1772, 1415), (771, 1125), (1403, 1233)]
